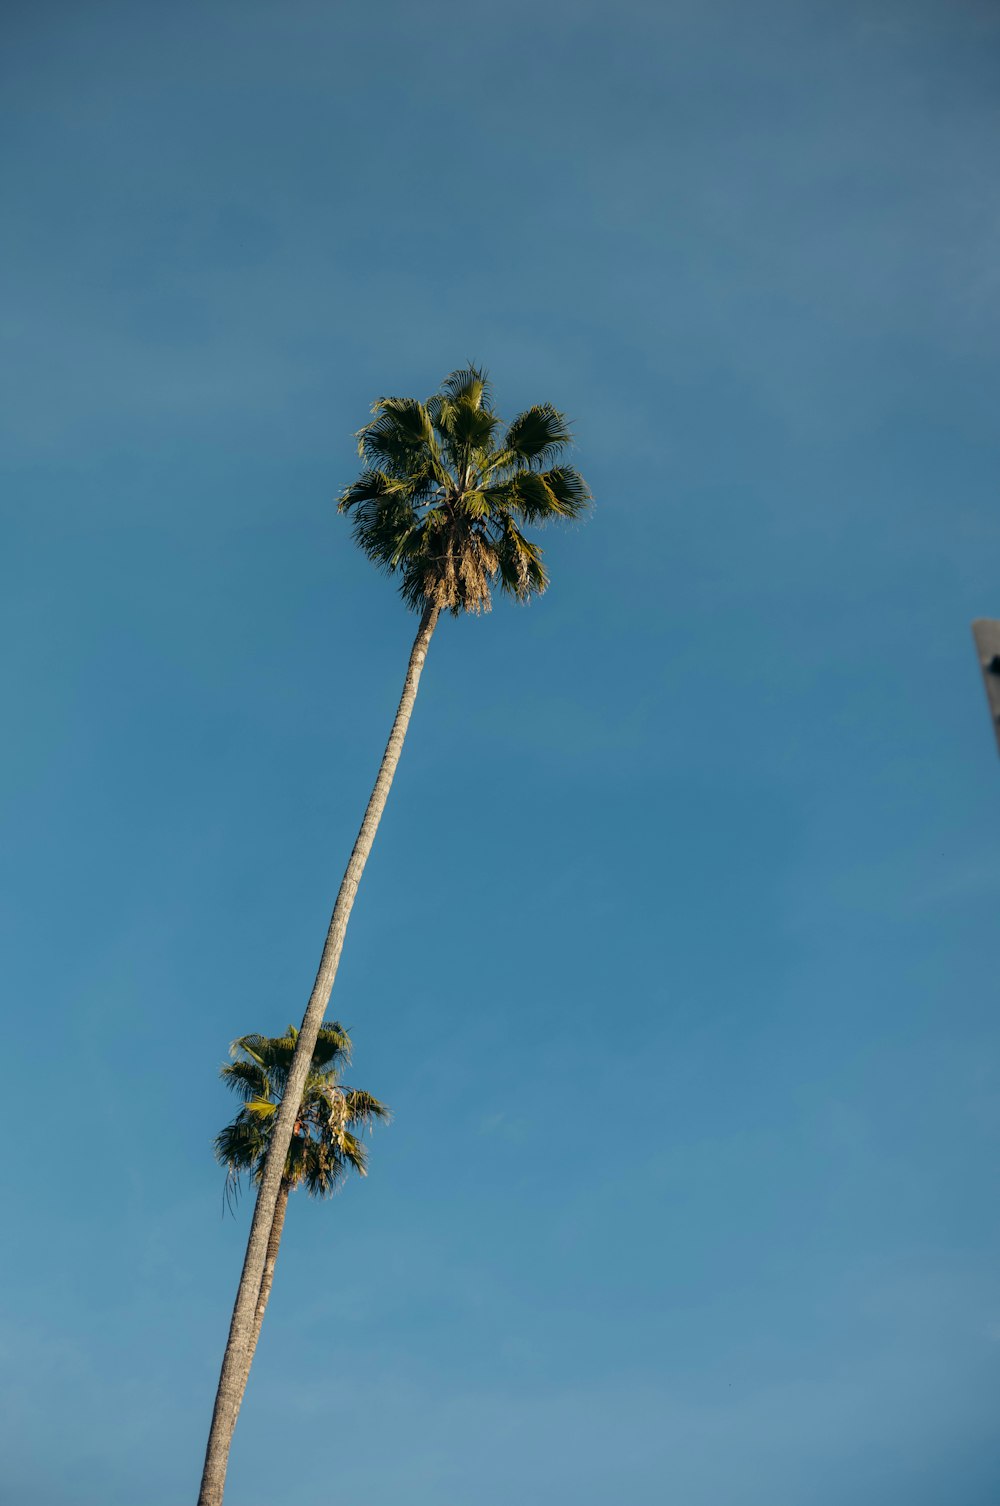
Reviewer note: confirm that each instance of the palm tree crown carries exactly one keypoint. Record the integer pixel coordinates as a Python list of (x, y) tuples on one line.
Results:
[(446, 489), (323, 1146)]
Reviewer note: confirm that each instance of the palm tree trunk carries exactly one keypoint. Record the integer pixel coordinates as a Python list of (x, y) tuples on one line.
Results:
[(267, 1279), (239, 1347)]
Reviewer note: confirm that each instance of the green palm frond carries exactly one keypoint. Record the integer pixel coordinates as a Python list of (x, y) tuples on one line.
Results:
[(240, 1147), (262, 1062), (261, 1108), (442, 494), (248, 1079), (522, 573), (356, 1154), (540, 496), (241, 1144), (325, 1165), (363, 1108), (323, 1170), (469, 428), (538, 434), (372, 486), (333, 1045), (470, 384), (571, 492), (400, 440), (250, 1046)]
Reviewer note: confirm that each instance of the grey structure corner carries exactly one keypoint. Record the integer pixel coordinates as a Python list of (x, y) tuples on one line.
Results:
[(986, 632)]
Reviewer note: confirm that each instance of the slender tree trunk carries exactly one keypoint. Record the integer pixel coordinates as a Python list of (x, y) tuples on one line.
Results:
[(239, 1347), (267, 1279)]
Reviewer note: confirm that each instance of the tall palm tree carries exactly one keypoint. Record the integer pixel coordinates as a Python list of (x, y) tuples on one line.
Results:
[(444, 495), (324, 1144)]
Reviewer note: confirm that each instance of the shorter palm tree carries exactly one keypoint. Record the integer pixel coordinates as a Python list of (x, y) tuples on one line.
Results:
[(324, 1145)]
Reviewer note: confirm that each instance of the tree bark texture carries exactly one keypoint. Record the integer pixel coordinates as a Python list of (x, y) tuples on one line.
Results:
[(239, 1347), (267, 1279)]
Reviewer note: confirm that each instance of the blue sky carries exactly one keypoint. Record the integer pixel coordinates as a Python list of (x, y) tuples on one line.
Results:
[(676, 957)]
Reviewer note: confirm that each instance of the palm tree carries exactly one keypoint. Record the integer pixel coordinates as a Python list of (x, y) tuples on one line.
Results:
[(323, 1146), (444, 495)]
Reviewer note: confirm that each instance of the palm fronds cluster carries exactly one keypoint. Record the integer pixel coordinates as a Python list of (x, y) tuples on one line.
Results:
[(447, 490), (326, 1142)]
